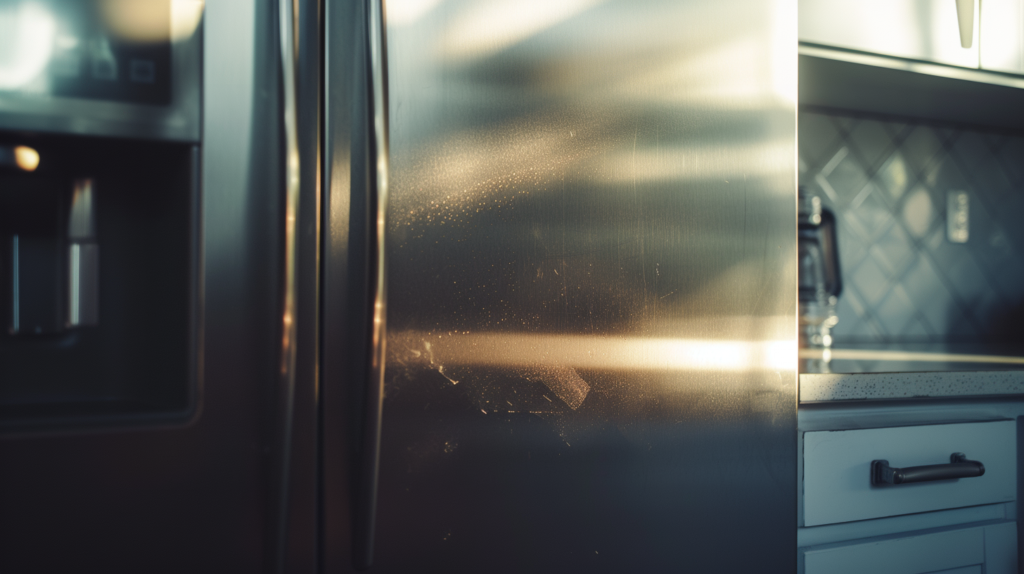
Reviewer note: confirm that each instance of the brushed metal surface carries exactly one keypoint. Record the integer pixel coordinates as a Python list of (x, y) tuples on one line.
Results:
[(591, 325), (916, 29)]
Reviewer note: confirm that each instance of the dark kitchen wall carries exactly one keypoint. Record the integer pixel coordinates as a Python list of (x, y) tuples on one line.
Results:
[(887, 181)]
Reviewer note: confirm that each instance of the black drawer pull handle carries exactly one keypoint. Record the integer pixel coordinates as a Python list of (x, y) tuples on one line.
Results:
[(958, 467)]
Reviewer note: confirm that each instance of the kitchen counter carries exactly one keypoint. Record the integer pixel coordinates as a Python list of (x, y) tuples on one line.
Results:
[(816, 388)]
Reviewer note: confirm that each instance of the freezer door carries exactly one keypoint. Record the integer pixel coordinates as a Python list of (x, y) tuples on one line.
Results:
[(193, 491), (590, 250)]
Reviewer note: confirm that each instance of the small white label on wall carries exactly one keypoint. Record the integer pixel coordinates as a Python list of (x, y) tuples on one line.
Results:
[(957, 217)]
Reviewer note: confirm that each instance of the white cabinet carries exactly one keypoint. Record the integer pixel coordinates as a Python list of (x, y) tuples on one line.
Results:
[(853, 520), (1002, 36), (926, 30), (837, 470)]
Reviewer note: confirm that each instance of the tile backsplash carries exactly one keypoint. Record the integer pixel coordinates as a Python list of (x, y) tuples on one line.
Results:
[(888, 181)]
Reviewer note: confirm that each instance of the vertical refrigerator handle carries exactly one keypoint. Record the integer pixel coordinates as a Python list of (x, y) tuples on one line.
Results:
[(289, 55), (365, 502)]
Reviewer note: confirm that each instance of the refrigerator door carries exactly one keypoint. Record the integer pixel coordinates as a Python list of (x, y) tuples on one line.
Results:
[(591, 305)]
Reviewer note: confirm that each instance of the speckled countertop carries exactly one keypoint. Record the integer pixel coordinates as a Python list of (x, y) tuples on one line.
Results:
[(816, 388)]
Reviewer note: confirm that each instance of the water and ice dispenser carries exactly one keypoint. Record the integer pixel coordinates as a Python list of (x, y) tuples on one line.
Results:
[(51, 258), (99, 147)]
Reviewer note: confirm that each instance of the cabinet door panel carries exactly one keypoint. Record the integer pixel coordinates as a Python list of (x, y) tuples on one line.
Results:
[(915, 29), (1001, 548), (1002, 35), (990, 549), (954, 551)]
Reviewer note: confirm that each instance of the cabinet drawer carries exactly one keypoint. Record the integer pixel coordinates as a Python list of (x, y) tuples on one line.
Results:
[(837, 470), (990, 549)]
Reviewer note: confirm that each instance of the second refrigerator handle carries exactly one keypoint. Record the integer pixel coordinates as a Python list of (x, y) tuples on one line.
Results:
[(366, 501), (289, 54)]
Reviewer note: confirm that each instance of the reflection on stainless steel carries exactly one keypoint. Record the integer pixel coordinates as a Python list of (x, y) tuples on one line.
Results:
[(404, 12), (379, 200), (907, 356), (83, 257), (26, 158), (83, 288), (640, 354), (26, 38), (82, 221), (485, 28), (20, 157), (917, 29), (591, 257), (148, 22), (15, 285)]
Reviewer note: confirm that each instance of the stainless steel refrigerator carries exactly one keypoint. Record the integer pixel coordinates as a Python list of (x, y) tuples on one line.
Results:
[(476, 286)]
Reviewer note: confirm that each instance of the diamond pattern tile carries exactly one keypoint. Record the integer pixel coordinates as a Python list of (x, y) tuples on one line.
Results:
[(851, 312), (894, 251), (1011, 156), (871, 142), (929, 293), (991, 181), (871, 282), (872, 213), (867, 330), (920, 146), (960, 328), (970, 149), (961, 271), (991, 246), (852, 246), (1010, 212), (842, 177), (896, 312), (844, 122), (894, 177), (887, 181), (943, 175), (897, 130), (1009, 279), (916, 331), (918, 214), (819, 138), (948, 134), (985, 308)]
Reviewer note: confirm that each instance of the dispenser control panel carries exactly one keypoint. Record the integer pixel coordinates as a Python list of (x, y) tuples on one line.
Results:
[(125, 68), (113, 51)]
